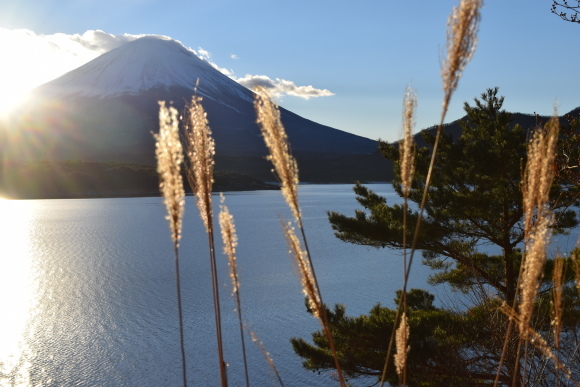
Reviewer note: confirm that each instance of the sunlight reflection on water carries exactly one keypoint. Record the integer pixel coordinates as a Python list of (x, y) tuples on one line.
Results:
[(17, 289)]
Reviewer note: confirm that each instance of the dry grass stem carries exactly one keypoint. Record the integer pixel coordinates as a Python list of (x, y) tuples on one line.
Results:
[(462, 28), (311, 290), (277, 142), (576, 260), (200, 151), (304, 270), (266, 354), (407, 145), (557, 307), (169, 159), (402, 337), (533, 337)]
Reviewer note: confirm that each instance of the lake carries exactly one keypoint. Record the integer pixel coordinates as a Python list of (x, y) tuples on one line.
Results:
[(88, 289)]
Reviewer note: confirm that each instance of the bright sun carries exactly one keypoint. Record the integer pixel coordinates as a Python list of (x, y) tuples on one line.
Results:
[(19, 72), (29, 60)]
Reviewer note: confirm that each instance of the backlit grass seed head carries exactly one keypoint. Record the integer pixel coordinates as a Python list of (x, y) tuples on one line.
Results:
[(304, 270), (169, 155), (534, 262), (200, 151), (462, 27), (540, 171), (277, 142), (407, 145), (401, 339), (538, 178), (230, 240)]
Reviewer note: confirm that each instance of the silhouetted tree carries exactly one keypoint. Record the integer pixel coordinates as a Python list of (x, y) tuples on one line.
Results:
[(567, 10)]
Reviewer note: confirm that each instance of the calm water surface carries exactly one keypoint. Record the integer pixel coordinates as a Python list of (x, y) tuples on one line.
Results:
[(87, 289)]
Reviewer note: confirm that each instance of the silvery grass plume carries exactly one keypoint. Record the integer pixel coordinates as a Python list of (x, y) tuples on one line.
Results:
[(230, 241), (309, 287), (287, 170), (407, 166), (462, 28), (311, 290), (536, 183), (538, 178), (540, 171), (200, 151), (402, 338), (407, 145), (277, 142), (169, 159)]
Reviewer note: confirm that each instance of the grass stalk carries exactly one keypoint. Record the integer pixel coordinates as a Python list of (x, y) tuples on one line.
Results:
[(200, 151), (406, 160), (402, 338), (169, 153), (557, 306), (462, 29), (274, 134), (258, 342), (537, 181)]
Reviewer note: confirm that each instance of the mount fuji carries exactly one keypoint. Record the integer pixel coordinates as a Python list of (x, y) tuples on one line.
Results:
[(107, 109)]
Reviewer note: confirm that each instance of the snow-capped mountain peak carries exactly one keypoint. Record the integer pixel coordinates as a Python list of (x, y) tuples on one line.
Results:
[(143, 64)]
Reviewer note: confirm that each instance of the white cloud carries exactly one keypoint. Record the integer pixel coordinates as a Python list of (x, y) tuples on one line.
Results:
[(280, 87), (234, 56), (206, 55)]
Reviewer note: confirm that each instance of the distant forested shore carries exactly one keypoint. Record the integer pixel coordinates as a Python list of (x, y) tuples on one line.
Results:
[(81, 179)]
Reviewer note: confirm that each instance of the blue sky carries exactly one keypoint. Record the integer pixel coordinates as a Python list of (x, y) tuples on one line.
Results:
[(365, 52)]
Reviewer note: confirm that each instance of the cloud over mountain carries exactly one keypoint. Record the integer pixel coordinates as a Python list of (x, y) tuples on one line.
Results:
[(280, 87)]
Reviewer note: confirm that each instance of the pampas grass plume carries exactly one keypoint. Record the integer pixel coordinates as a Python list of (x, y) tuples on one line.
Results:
[(402, 337), (304, 270), (169, 159), (538, 179), (230, 241), (277, 142), (407, 145), (462, 28), (200, 151)]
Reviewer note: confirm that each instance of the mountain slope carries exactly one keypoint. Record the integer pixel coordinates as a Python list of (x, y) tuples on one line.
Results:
[(107, 109)]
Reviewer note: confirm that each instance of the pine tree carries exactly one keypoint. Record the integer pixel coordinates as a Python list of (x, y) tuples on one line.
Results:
[(471, 236)]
